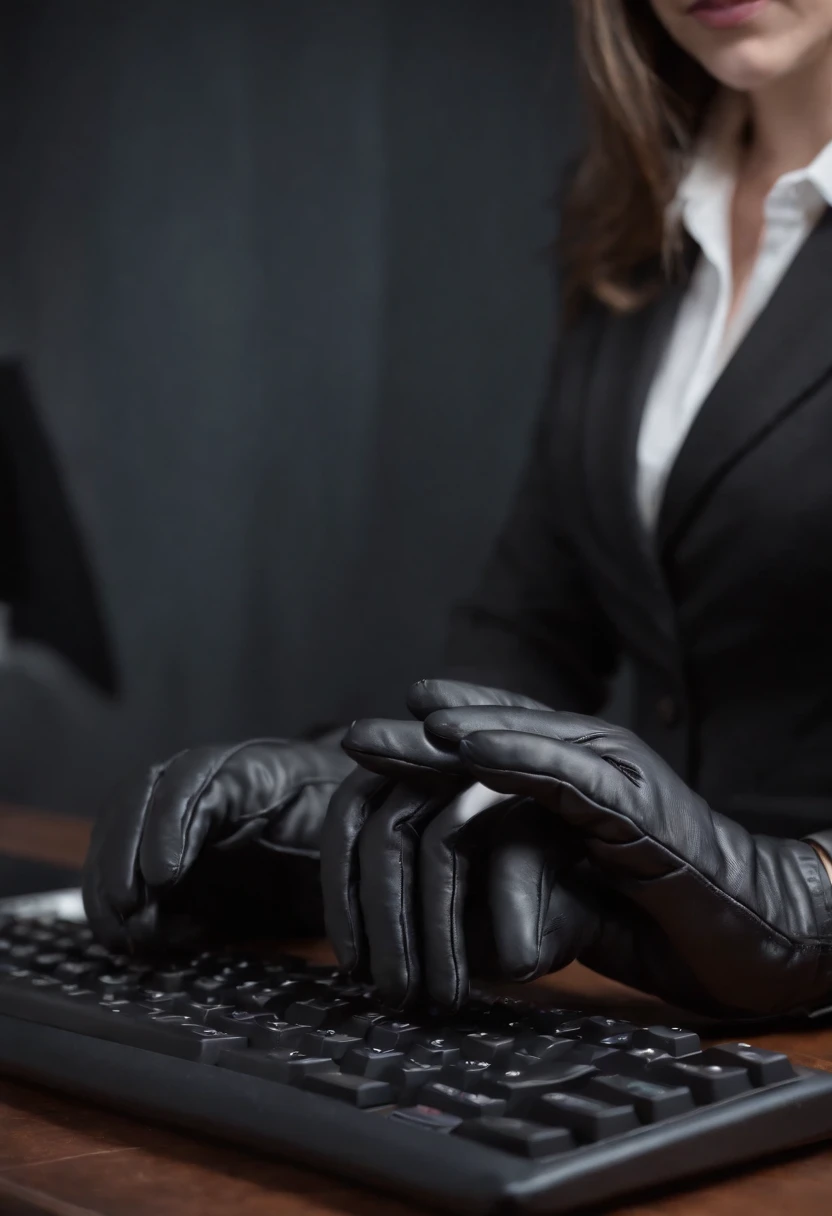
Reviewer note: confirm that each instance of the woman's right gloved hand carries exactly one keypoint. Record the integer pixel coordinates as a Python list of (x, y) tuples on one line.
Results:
[(385, 841), (218, 840)]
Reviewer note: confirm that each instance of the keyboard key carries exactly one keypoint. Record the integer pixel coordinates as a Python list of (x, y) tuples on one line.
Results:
[(521, 1090), (570, 1029), (360, 1023), (490, 1047), (707, 1082), (282, 994), (75, 970), (465, 1074), (516, 1136), (239, 991), (409, 1079), (544, 1046), (286, 1067), (389, 1034), (427, 1118), (763, 1067), (636, 1063), (67, 944), (207, 985), (112, 984), (246, 969), (238, 1021), (271, 1034), (172, 1035), (328, 1043), (362, 1061), (357, 1091), (207, 1012), (652, 1102), (45, 982), (261, 998), (433, 1051), (98, 952), (152, 997), (78, 992), (589, 1118), (590, 1053), (597, 1030), (172, 979), (319, 1014), (457, 1102), (521, 1061), (669, 1039), (48, 962)]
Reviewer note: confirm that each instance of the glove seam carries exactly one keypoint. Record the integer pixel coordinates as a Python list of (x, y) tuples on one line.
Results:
[(454, 945), (804, 945), (209, 777), (405, 825), (123, 915)]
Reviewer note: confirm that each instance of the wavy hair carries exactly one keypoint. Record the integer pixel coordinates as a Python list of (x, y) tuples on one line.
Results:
[(645, 101)]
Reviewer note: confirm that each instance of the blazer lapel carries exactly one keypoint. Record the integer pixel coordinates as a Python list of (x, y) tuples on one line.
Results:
[(625, 363), (782, 358)]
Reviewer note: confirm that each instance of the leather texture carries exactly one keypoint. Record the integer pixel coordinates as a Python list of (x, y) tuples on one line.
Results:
[(654, 889), (219, 835), (377, 917)]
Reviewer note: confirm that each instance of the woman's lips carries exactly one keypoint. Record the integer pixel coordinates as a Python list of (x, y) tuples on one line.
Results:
[(726, 14)]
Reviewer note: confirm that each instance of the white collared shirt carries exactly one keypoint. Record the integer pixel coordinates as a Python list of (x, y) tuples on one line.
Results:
[(702, 343)]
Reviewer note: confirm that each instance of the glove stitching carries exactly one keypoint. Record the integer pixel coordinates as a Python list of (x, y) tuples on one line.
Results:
[(454, 943), (140, 883), (404, 826), (190, 811), (629, 771), (539, 933)]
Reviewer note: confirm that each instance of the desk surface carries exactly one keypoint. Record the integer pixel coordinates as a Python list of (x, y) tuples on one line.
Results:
[(67, 1158)]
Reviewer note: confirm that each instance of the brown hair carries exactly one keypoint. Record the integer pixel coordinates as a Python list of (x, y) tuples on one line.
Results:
[(645, 100)]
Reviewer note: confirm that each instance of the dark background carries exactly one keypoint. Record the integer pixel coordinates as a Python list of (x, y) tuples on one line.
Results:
[(276, 272)]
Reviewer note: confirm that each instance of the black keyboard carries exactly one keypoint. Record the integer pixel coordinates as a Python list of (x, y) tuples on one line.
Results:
[(505, 1106)]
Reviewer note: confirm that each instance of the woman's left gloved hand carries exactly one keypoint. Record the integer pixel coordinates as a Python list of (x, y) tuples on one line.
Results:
[(671, 897)]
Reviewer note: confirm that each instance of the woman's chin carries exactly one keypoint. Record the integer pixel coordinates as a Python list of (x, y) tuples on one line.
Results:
[(748, 68)]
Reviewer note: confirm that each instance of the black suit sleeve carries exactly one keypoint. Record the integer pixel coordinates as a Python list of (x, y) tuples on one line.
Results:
[(533, 625)]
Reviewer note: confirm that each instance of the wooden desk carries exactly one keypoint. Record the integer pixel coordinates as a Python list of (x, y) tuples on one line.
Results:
[(67, 1158)]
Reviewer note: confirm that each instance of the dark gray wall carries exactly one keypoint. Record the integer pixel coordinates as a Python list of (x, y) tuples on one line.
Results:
[(276, 272)]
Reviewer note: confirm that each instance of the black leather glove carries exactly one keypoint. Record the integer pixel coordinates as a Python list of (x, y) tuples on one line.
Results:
[(423, 938), (672, 897), (217, 839)]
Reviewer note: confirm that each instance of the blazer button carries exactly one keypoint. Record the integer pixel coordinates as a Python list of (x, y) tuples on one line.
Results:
[(668, 710)]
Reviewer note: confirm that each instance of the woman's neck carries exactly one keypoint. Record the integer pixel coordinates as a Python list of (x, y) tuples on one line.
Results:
[(792, 118)]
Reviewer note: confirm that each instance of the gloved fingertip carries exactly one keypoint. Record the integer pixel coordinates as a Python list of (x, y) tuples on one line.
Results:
[(483, 747), (445, 726), (425, 696)]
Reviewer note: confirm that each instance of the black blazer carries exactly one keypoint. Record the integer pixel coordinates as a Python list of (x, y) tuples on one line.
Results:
[(726, 613)]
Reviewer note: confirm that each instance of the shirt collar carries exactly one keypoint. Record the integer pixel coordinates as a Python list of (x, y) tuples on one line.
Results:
[(703, 197), (819, 173)]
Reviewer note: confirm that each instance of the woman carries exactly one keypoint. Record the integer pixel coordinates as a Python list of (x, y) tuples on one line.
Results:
[(676, 509)]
